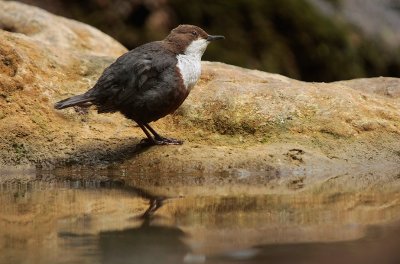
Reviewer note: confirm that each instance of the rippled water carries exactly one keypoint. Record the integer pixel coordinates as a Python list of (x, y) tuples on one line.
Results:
[(73, 219)]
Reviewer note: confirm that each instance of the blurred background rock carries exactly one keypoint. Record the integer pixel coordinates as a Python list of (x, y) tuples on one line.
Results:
[(312, 40)]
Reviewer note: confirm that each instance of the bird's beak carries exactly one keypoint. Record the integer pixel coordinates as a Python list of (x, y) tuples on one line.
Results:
[(215, 37)]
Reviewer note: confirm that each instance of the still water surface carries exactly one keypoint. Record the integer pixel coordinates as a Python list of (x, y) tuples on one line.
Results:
[(81, 220)]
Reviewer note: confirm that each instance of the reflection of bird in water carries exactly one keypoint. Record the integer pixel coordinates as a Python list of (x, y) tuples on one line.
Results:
[(148, 243), (145, 244), (154, 205)]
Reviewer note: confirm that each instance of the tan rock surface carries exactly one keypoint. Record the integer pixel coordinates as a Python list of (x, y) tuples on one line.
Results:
[(55, 31), (235, 122)]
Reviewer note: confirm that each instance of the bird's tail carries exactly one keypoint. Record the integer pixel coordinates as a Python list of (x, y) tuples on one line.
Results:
[(72, 101)]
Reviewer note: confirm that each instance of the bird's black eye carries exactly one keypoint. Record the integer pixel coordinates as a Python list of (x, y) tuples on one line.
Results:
[(194, 33)]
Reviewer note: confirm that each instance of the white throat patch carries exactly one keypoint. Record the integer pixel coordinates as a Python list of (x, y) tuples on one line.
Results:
[(189, 63)]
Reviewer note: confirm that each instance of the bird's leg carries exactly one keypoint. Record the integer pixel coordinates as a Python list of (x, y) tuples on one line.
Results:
[(149, 140), (159, 140)]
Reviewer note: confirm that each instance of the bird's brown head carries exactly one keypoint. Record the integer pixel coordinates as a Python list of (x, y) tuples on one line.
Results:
[(190, 39)]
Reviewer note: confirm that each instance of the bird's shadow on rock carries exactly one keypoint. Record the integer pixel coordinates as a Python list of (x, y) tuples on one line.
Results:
[(102, 153)]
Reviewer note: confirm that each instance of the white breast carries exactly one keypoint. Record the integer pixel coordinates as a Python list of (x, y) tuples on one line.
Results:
[(190, 69), (189, 63)]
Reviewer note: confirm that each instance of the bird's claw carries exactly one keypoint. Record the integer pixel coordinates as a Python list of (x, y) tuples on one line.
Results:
[(161, 141)]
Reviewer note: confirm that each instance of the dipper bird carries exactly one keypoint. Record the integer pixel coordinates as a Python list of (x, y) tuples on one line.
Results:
[(150, 81)]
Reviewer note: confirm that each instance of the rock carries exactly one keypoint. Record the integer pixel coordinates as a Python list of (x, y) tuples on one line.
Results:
[(35, 67), (388, 87), (236, 122), (55, 31)]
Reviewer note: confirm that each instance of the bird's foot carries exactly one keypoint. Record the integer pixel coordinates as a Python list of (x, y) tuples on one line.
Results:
[(169, 141), (161, 141)]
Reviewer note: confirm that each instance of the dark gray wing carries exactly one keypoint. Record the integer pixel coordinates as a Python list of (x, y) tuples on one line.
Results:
[(129, 77)]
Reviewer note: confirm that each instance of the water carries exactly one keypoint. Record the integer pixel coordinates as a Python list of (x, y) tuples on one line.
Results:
[(71, 217)]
